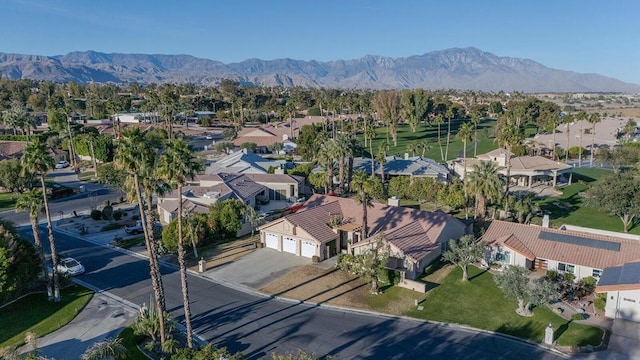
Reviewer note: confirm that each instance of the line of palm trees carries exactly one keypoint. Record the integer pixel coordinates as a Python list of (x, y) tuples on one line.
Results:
[(151, 166)]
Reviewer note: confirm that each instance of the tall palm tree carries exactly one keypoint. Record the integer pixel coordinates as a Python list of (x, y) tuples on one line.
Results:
[(464, 134), (381, 157), (37, 160), (362, 183), (555, 121), (509, 136), (582, 117), (326, 157), (593, 119), (131, 155), (475, 120), (177, 165), (567, 123), (448, 115), (424, 147), (343, 150), (412, 148), (485, 183), (439, 120), (370, 134), (32, 202)]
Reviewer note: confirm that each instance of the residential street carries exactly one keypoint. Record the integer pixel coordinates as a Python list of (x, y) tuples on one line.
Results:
[(259, 325)]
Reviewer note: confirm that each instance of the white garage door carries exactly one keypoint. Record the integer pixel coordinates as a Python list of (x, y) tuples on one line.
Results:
[(289, 245), (308, 249), (271, 241)]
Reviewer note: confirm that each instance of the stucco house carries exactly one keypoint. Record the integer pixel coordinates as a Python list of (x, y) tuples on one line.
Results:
[(540, 248), (411, 166), (328, 225), (279, 186), (244, 162), (622, 285), (525, 170)]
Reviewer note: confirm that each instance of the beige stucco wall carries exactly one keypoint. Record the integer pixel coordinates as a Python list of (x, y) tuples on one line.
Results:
[(623, 304), (580, 271), (285, 228)]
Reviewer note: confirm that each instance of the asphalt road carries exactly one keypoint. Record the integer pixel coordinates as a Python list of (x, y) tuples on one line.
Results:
[(259, 326)]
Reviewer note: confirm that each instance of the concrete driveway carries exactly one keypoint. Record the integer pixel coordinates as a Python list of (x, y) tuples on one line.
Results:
[(624, 342), (258, 268)]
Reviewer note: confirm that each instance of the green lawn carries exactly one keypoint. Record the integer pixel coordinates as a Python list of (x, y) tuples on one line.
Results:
[(8, 200), (130, 341), (572, 209), (429, 133), (480, 304), (36, 314)]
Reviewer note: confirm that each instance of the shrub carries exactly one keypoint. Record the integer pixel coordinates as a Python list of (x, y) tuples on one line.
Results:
[(577, 317), (568, 277), (135, 217), (96, 214), (553, 275), (600, 301), (589, 283), (107, 212), (110, 227), (117, 215)]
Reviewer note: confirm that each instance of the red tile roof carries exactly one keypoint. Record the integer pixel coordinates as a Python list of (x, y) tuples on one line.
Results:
[(526, 239), (415, 232)]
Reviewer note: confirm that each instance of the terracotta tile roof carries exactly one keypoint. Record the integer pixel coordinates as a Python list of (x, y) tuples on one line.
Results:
[(11, 149), (513, 243), (579, 248), (414, 232)]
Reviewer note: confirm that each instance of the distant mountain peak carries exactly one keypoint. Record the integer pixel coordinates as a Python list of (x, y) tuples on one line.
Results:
[(466, 68)]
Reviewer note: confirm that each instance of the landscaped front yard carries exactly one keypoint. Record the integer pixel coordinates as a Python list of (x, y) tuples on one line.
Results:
[(480, 304), (477, 303)]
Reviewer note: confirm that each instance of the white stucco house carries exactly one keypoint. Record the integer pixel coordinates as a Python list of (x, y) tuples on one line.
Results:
[(622, 285), (539, 248)]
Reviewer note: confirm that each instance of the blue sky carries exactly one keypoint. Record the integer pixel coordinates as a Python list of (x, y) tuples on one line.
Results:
[(584, 36)]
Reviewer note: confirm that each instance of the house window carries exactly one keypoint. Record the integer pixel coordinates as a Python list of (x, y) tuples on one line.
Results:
[(566, 268), (596, 273), (503, 257)]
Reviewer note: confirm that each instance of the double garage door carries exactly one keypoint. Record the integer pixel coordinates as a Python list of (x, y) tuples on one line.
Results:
[(289, 245)]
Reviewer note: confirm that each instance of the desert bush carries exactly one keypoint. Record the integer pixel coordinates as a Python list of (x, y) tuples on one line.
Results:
[(117, 215), (600, 301), (107, 212), (96, 214), (553, 275), (568, 277)]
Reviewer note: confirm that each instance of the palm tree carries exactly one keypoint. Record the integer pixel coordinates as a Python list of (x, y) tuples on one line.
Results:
[(567, 122), (449, 115), (485, 183), (381, 157), (439, 120), (555, 121), (475, 119), (32, 202), (424, 147), (37, 160), (582, 117), (508, 137), (464, 134), (413, 147), (177, 165), (106, 349), (363, 184), (131, 156), (343, 150), (327, 158), (370, 134), (593, 119)]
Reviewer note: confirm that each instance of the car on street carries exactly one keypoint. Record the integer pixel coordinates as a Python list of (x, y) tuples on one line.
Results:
[(70, 266), (62, 164)]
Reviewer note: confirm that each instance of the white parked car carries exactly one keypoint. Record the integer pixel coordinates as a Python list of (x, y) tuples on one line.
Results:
[(70, 266), (62, 164)]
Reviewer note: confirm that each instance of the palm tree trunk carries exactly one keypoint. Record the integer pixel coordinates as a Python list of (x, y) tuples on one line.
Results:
[(38, 245), (482, 206), (446, 154), (580, 144), (341, 174), (373, 163), (151, 229), (464, 179), (554, 144), (440, 143), (475, 139), (52, 243), (183, 272), (506, 191), (593, 142), (349, 171), (93, 158), (363, 199), (152, 265), (72, 153), (568, 139)]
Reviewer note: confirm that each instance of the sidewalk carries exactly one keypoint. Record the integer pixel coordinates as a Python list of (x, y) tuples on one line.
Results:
[(102, 318)]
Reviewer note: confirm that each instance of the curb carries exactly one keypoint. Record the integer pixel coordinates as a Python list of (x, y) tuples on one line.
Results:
[(336, 308)]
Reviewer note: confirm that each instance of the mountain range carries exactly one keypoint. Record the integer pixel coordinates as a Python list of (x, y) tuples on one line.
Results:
[(456, 68)]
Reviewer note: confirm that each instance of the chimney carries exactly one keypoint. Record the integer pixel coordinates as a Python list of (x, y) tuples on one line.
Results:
[(394, 201), (406, 156), (545, 221)]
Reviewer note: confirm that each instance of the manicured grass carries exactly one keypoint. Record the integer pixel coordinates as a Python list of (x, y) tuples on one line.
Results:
[(574, 211), (429, 133), (129, 243), (480, 304), (36, 314), (86, 175), (8, 200), (130, 340)]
